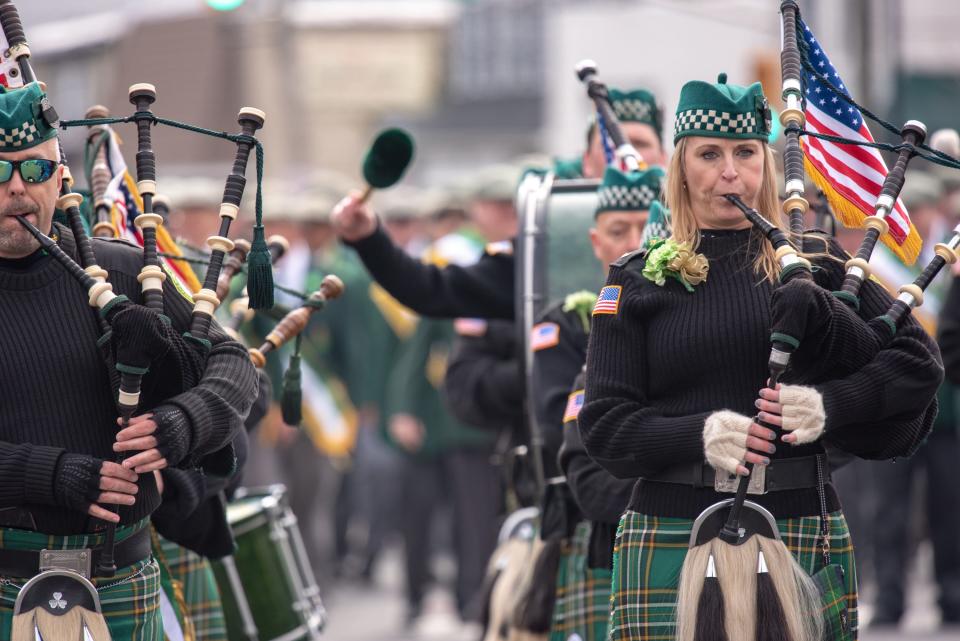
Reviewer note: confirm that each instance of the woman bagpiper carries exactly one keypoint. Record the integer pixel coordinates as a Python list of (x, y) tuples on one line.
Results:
[(674, 369)]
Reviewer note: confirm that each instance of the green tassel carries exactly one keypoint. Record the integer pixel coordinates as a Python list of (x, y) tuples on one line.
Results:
[(292, 398), (259, 272)]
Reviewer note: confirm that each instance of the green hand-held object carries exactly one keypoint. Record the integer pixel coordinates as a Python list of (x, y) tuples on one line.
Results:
[(388, 158)]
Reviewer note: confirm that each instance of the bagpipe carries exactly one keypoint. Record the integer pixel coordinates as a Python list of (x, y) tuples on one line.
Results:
[(623, 151), (131, 332), (267, 585), (736, 542)]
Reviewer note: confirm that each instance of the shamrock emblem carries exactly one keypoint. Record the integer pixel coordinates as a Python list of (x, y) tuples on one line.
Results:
[(57, 601)]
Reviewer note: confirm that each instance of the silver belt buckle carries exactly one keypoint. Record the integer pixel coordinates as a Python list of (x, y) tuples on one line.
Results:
[(726, 482), (79, 561)]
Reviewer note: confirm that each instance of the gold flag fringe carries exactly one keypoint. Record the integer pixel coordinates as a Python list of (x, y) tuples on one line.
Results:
[(851, 216)]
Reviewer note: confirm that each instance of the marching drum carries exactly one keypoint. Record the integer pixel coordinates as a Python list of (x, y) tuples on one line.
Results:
[(554, 254), (267, 587)]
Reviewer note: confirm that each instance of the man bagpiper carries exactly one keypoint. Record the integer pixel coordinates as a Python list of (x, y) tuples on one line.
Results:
[(58, 430), (559, 344)]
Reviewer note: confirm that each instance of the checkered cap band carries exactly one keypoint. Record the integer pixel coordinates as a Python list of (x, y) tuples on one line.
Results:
[(716, 121), (626, 198), (633, 110), (25, 134)]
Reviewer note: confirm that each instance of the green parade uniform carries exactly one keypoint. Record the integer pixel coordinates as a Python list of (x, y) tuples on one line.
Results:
[(665, 354), (452, 457), (366, 328)]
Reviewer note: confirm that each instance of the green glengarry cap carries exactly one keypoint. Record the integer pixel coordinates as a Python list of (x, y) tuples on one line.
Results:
[(23, 118), (722, 111), (568, 167), (633, 191), (658, 225), (637, 105)]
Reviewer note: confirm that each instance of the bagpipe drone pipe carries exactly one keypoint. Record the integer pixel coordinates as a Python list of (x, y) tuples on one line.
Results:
[(623, 151), (833, 343)]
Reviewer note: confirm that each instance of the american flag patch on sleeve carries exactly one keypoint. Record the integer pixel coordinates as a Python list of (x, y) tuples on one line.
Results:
[(574, 405), (608, 302), (544, 335), (470, 326)]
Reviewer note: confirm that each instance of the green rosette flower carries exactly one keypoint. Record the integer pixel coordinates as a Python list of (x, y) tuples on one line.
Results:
[(669, 259), (658, 257)]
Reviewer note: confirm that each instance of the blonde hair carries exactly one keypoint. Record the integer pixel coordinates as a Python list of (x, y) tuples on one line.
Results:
[(686, 228)]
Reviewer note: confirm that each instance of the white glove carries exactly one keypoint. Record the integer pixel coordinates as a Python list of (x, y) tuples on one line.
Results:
[(725, 440), (803, 413)]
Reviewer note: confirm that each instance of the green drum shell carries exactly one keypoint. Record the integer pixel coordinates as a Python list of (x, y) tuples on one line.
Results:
[(263, 571)]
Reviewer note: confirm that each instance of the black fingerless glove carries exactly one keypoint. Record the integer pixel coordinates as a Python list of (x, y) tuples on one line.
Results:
[(173, 434), (77, 481)]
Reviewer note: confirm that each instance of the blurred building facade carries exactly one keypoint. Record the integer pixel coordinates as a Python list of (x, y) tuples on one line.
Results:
[(476, 81)]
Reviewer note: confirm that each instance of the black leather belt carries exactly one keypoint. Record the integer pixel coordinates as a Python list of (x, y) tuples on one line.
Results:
[(26, 563), (782, 474)]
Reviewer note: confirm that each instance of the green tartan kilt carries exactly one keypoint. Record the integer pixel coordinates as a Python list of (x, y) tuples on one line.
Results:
[(649, 553), (582, 605), (130, 599), (200, 591)]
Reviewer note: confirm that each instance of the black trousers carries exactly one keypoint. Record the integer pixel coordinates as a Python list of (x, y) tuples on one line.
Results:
[(937, 460), (471, 484)]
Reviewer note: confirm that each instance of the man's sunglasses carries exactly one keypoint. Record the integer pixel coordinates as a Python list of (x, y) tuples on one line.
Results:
[(34, 170)]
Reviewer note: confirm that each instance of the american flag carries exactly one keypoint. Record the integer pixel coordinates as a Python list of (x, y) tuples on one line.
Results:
[(609, 300), (470, 326), (544, 335), (574, 405), (126, 204), (851, 176)]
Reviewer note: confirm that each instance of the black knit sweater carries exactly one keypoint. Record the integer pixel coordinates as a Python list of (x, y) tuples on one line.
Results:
[(668, 359), (58, 395), (484, 289)]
